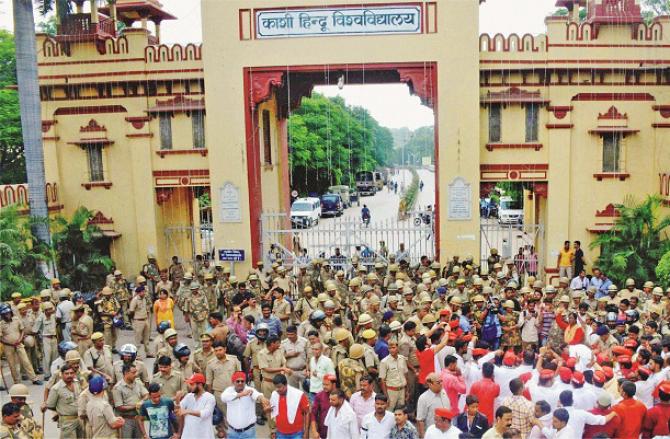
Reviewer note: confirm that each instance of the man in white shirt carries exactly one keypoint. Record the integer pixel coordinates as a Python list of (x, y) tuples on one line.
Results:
[(442, 429), (240, 401), (578, 417), (341, 419), (433, 398), (580, 283), (196, 410), (363, 401), (378, 424), (543, 414), (319, 366), (560, 428)]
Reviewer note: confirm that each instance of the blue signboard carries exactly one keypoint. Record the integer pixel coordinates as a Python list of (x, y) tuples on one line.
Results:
[(228, 255)]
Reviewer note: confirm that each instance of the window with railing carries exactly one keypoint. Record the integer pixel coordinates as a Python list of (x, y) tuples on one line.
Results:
[(532, 117), (198, 126), (95, 165), (165, 128), (495, 122), (612, 152)]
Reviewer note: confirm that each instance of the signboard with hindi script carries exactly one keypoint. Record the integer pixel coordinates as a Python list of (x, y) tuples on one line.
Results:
[(379, 20)]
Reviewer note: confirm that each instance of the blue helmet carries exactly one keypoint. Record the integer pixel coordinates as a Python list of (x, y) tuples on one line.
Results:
[(97, 384), (65, 346), (117, 321), (4, 309), (181, 350), (163, 326)]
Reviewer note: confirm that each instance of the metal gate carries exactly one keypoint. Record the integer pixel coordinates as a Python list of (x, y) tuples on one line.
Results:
[(508, 239), (350, 235), (186, 241)]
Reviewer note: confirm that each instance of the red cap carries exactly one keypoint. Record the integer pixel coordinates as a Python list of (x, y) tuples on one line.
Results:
[(509, 359), (565, 373), (239, 375), (444, 412), (578, 378), (629, 375), (571, 362), (454, 324), (644, 371), (609, 372), (602, 358), (665, 384), (620, 350), (525, 377), (452, 336), (445, 312), (664, 387), (466, 337), (546, 374), (197, 378), (599, 376), (630, 343), (624, 359), (329, 377), (479, 352)]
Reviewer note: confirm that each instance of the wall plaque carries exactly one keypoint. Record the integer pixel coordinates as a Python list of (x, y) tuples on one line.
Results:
[(460, 200), (230, 203)]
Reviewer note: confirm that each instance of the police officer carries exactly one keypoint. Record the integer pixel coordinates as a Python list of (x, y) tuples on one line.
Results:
[(251, 351), (11, 336), (120, 288), (393, 376), (82, 329), (128, 354), (209, 291), (351, 370), (99, 411), (139, 313), (98, 358), (296, 351), (184, 364), (12, 425), (30, 337), (108, 308), (127, 394), (62, 399), (196, 310), (219, 375), (205, 354), (171, 381), (151, 272), (170, 342)]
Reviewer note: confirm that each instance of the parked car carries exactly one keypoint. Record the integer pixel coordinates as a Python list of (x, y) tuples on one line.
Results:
[(365, 183), (344, 192), (305, 212), (510, 211), (331, 204), (379, 180)]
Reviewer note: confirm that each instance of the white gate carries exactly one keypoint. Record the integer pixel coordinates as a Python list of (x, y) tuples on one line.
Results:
[(508, 239), (350, 235), (186, 241)]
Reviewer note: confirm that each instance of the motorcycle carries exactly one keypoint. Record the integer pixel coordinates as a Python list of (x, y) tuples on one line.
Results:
[(425, 218)]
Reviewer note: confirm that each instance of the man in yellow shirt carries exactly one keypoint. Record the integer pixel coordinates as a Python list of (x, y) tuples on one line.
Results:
[(565, 259)]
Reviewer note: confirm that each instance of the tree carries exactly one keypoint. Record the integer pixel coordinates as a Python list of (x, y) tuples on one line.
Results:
[(30, 107), (78, 248), (636, 243), (12, 163), (19, 260), (656, 7)]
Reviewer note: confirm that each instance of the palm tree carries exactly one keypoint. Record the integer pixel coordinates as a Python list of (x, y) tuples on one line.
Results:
[(31, 112), (636, 243)]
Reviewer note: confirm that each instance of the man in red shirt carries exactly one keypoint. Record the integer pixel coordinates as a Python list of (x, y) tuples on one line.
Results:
[(486, 390), (656, 421), (321, 405), (603, 409), (452, 381), (289, 404), (631, 411)]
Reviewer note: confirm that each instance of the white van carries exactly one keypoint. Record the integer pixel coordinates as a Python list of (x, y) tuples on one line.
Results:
[(510, 211), (305, 212)]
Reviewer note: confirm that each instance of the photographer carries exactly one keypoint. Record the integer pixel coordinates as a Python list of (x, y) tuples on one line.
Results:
[(530, 325)]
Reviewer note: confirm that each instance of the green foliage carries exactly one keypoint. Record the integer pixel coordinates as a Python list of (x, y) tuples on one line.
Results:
[(409, 198), (562, 12), (19, 271), (12, 161), (636, 243), (329, 142), (663, 270), (79, 246), (420, 143)]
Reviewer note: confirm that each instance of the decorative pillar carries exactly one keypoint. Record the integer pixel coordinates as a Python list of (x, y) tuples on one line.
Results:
[(112, 10), (94, 11), (157, 24)]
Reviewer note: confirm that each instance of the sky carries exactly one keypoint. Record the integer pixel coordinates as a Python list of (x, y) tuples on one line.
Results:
[(383, 101)]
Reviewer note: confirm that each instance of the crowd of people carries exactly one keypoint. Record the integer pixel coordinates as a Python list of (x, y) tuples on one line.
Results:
[(389, 350)]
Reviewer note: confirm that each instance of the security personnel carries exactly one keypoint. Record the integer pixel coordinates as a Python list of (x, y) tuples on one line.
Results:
[(62, 399), (203, 355), (14, 426), (184, 290), (11, 335), (209, 291), (171, 381), (272, 362), (108, 307), (99, 411), (151, 272), (341, 350), (370, 358), (197, 309), (296, 352), (168, 349), (82, 329), (127, 395), (252, 349), (351, 370), (393, 376), (219, 376), (120, 288), (128, 354), (184, 363), (281, 308), (30, 337), (98, 358), (176, 273), (164, 284), (306, 305), (139, 313)]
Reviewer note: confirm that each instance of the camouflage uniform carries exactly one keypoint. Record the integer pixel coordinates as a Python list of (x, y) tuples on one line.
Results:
[(197, 308), (108, 307), (350, 372)]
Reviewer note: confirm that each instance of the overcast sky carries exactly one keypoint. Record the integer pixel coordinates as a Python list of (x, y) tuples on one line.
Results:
[(505, 16)]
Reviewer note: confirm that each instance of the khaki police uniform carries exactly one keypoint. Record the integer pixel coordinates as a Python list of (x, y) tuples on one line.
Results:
[(170, 384), (297, 363), (219, 376), (269, 360), (63, 400), (282, 310), (100, 415), (198, 309), (129, 394), (108, 307), (251, 350), (141, 327), (16, 431), (202, 358), (81, 331), (142, 373), (407, 348), (46, 327), (10, 336), (99, 360), (394, 373)]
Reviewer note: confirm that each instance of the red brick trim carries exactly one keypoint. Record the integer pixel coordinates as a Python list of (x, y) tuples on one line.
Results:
[(559, 126), (140, 136)]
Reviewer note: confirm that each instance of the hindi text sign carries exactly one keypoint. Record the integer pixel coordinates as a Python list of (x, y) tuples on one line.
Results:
[(230, 204), (460, 200), (379, 20)]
